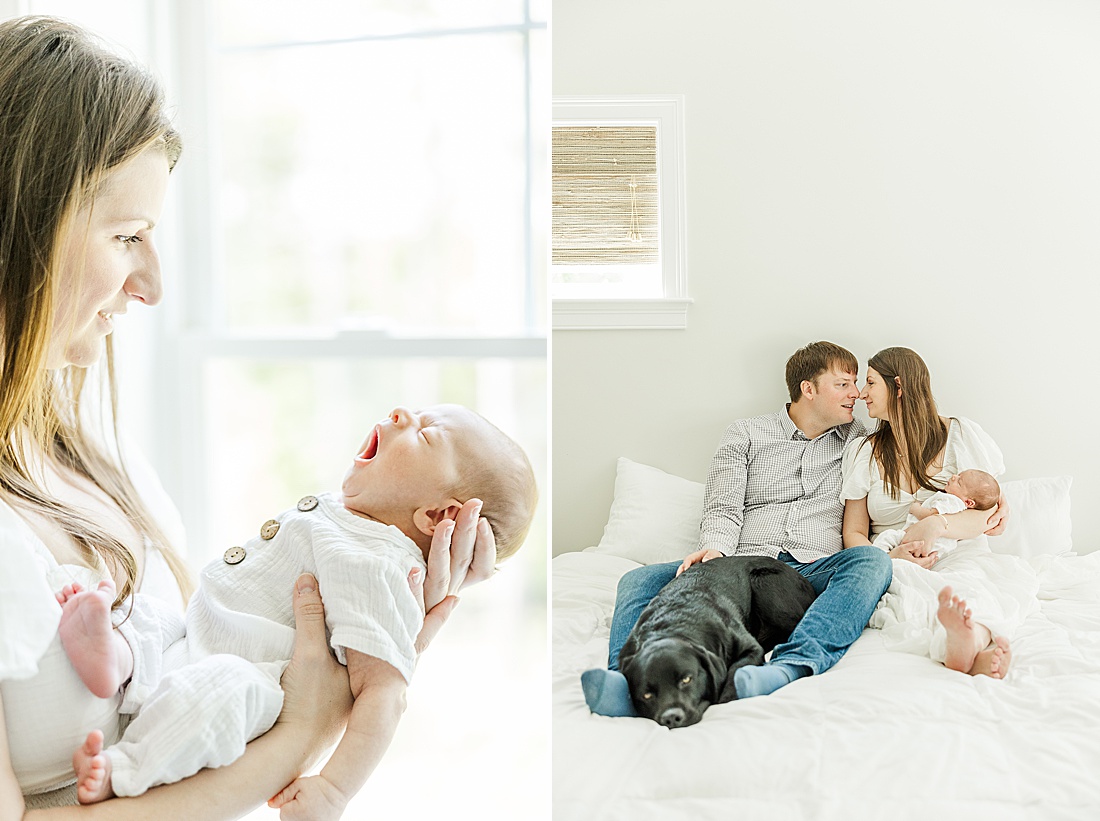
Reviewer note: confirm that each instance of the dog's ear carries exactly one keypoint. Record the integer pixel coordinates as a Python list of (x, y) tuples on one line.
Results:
[(715, 667), (626, 654)]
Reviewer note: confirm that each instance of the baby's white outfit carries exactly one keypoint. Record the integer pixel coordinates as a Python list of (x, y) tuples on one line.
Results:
[(941, 503), (219, 685)]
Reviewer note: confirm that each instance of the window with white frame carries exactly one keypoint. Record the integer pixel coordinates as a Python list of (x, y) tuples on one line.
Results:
[(357, 222), (618, 251)]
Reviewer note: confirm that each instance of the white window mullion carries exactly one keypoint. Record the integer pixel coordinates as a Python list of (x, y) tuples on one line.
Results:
[(201, 304), (292, 345), (193, 303)]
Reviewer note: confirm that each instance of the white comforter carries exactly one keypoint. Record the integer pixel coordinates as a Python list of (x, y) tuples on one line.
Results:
[(884, 734)]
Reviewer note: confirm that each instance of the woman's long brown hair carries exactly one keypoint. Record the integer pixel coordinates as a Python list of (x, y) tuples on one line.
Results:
[(70, 112), (924, 432)]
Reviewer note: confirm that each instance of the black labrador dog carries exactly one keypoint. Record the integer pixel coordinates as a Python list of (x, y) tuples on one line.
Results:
[(712, 619)]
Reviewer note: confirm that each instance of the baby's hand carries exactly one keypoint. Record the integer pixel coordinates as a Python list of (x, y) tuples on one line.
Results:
[(311, 798)]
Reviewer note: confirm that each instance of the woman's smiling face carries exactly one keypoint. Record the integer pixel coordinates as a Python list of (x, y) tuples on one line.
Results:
[(876, 395), (109, 259)]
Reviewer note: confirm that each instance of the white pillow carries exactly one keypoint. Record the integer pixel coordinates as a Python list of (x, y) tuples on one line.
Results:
[(1039, 519), (654, 515)]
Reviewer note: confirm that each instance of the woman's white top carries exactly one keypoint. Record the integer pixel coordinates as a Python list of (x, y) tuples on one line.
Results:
[(968, 447), (47, 709)]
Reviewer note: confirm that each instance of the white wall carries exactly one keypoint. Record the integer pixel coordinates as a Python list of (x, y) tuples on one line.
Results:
[(923, 174)]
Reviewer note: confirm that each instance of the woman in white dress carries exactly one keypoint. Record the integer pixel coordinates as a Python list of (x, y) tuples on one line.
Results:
[(960, 610)]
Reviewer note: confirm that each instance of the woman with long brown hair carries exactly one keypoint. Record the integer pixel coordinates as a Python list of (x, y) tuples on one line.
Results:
[(957, 609), (86, 150)]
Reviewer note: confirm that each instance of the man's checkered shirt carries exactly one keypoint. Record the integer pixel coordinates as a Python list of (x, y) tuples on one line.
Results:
[(771, 490)]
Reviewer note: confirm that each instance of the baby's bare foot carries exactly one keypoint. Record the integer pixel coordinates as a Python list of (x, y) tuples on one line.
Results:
[(89, 640), (961, 635), (93, 771), (994, 660)]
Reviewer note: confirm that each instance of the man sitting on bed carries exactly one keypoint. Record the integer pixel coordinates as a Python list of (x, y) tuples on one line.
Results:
[(774, 490)]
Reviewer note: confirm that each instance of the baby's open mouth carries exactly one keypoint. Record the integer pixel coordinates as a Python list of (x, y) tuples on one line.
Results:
[(371, 449)]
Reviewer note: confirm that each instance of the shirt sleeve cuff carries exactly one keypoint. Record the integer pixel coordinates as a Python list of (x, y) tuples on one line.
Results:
[(714, 544)]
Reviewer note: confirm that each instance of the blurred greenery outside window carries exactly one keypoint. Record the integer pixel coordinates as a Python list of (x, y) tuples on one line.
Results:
[(372, 197)]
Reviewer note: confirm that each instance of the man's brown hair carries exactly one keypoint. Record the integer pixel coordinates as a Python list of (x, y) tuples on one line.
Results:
[(808, 363)]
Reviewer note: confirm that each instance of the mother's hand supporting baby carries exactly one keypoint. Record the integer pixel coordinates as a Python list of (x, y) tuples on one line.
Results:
[(966, 524), (317, 695), (914, 552), (998, 519), (463, 552)]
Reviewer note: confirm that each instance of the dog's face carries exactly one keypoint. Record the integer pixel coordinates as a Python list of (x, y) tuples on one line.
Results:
[(672, 681)]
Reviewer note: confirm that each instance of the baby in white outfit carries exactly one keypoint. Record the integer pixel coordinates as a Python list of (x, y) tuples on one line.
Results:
[(969, 490), (201, 698)]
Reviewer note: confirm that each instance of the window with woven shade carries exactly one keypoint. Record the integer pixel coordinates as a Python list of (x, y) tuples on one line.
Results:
[(605, 211), (617, 250)]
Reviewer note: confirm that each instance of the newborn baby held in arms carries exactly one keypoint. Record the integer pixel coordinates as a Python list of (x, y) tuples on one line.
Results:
[(203, 695), (969, 490)]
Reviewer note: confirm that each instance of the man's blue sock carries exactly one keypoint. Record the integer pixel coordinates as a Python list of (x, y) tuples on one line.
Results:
[(606, 693), (765, 679)]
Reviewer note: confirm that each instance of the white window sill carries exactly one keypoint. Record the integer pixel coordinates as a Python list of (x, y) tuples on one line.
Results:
[(621, 314)]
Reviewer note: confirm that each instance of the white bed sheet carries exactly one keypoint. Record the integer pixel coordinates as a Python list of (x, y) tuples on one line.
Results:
[(883, 734)]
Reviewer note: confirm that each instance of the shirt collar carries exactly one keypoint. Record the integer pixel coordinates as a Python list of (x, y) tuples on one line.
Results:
[(791, 431), (786, 423)]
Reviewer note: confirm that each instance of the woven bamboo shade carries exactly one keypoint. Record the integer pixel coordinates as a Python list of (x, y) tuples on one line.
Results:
[(604, 195)]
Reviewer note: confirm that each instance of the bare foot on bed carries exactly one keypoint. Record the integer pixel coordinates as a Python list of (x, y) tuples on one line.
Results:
[(93, 771), (964, 638), (98, 654), (993, 661)]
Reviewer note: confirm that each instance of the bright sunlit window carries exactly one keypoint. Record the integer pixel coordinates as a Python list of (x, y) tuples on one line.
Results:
[(357, 222)]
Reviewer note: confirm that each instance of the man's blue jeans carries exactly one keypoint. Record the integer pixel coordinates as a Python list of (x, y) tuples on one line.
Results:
[(849, 584)]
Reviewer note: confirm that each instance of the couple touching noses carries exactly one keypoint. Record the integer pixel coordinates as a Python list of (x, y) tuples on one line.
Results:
[(811, 485), (829, 401)]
